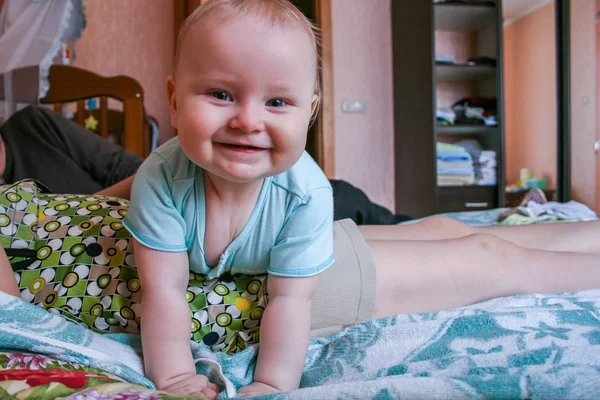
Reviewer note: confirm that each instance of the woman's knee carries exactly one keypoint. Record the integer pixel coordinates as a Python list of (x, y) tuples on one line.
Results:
[(491, 245)]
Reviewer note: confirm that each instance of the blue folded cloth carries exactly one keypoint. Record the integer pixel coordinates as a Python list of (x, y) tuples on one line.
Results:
[(455, 170), (455, 156)]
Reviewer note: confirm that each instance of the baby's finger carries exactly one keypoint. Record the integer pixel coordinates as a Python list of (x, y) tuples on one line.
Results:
[(211, 394), (244, 393), (213, 387)]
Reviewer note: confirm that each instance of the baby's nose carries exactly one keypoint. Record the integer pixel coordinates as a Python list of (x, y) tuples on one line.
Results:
[(248, 118)]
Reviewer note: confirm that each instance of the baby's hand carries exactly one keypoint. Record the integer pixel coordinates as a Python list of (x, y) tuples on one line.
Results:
[(192, 385), (256, 389)]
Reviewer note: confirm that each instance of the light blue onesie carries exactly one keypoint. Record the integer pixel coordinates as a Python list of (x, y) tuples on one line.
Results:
[(289, 233)]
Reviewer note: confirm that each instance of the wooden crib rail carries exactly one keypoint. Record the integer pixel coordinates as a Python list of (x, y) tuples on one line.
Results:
[(72, 84)]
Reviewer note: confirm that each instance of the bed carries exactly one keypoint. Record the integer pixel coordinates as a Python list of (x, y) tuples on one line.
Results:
[(535, 346), (529, 346)]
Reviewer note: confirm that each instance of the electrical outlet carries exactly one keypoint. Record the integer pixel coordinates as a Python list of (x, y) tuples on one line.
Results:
[(354, 106)]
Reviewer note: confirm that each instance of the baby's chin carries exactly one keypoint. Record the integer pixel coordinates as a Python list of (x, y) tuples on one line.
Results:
[(237, 172), (241, 175)]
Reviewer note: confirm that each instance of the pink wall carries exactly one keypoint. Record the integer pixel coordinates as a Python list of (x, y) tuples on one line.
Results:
[(530, 95), (135, 38), (463, 45), (362, 70), (583, 101)]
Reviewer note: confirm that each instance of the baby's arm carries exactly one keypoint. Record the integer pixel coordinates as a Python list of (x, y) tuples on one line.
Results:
[(284, 333), (165, 322)]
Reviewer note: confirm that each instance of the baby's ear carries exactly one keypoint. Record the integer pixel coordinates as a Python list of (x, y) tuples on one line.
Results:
[(314, 105), (172, 99)]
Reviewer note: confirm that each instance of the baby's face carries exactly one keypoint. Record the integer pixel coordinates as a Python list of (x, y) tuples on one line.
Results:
[(243, 96)]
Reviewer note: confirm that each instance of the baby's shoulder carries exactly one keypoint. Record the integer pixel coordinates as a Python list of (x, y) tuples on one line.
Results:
[(171, 161), (303, 178)]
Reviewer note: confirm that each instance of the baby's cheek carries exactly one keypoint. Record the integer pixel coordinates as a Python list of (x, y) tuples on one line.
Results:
[(197, 149), (296, 133)]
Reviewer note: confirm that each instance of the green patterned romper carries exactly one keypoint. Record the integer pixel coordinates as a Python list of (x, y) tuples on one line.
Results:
[(73, 256)]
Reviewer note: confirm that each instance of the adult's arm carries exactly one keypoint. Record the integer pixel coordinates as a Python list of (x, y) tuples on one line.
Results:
[(106, 162), (121, 189), (8, 284)]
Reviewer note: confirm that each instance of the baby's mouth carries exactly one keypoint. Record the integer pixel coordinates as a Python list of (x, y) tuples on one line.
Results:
[(241, 147)]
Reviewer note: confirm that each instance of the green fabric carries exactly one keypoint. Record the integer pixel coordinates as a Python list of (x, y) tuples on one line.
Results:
[(85, 269), (519, 219)]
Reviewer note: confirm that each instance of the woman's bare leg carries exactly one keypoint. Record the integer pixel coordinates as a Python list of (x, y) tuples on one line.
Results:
[(433, 228), (581, 237), (572, 236), (421, 276), (8, 284)]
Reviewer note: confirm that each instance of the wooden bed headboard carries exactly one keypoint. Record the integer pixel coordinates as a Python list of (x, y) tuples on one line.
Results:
[(71, 84)]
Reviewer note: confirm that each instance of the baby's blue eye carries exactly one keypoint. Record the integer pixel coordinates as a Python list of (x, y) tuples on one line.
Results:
[(276, 103), (221, 95)]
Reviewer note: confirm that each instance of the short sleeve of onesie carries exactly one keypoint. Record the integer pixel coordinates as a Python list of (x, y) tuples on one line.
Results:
[(305, 245), (153, 219)]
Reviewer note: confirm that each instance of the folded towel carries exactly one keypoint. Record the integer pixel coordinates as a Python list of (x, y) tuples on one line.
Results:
[(455, 156), (456, 170), (455, 180), (465, 164), (447, 147), (487, 155), (486, 164)]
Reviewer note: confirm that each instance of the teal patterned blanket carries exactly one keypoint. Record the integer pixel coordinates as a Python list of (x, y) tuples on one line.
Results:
[(528, 346)]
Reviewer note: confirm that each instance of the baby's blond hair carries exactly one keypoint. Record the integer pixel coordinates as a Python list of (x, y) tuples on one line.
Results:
[(278, 12)]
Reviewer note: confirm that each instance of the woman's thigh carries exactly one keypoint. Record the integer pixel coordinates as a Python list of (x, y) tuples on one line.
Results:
[(433, 228)]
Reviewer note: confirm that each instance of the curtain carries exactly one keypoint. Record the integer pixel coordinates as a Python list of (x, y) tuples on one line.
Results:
[(32, 34)]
